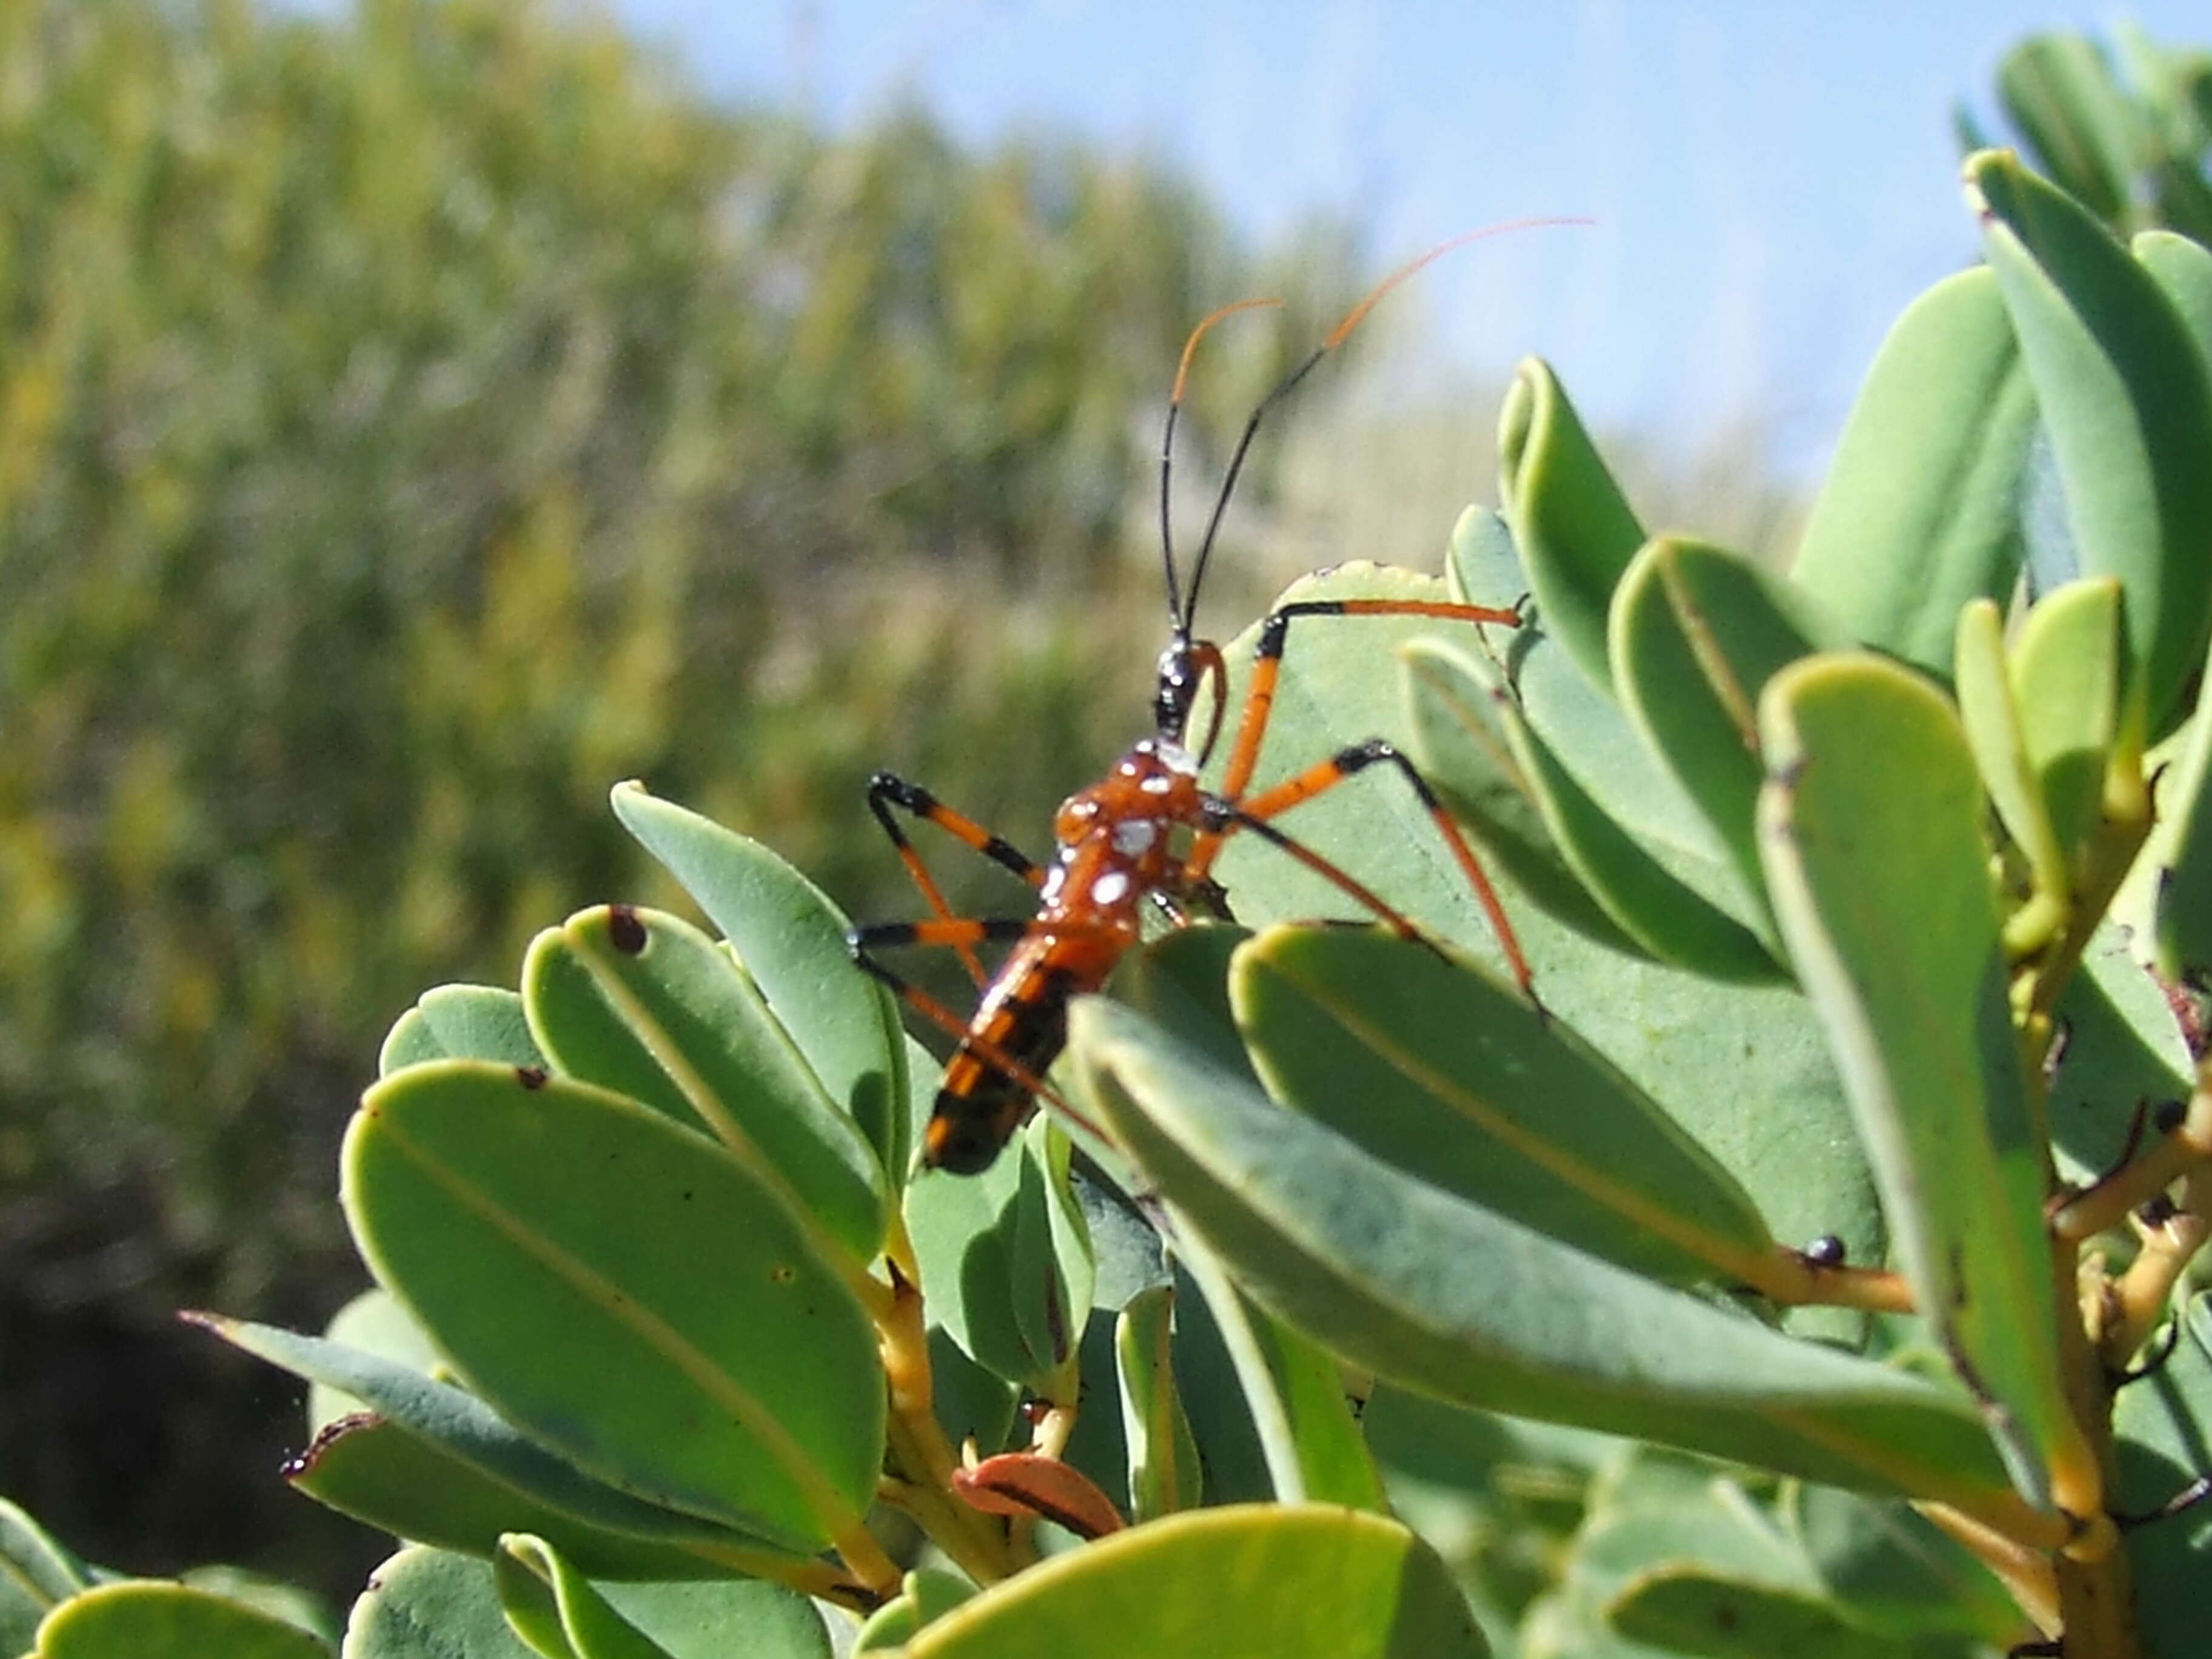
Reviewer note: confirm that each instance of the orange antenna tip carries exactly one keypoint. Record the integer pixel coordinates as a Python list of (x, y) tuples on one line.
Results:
[(1358, 313), (1190, 346)]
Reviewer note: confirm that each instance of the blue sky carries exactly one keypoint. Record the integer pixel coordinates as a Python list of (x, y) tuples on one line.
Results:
[(1772, 182)]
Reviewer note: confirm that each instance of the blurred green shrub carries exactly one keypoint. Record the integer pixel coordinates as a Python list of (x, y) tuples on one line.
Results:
[(444, 406), (2126, 131)]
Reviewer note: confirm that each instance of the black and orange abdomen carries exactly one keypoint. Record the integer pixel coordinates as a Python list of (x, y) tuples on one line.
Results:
[(1021, 1024)]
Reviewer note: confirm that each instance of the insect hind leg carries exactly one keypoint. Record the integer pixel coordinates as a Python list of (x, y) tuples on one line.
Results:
[(1254, 812)]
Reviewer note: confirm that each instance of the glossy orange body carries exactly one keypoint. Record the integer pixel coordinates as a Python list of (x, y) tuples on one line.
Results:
[(1113, 856)]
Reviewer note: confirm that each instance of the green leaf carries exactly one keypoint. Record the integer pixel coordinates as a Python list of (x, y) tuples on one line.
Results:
[(2126, 401), (1233, 1583), (372, 1469), (624, 1290), (1745, 1069), (1528, 810), (1894, 1573), (968, 1400), (2182, 267), (1592, 736), (791, 940), (646, 1005), (2059, 91), (1872, 828), (1335, 1466), (429, 1604), (555, 1608), (1464, 731), (1336, 691), (1163, 1469), (928, 1594), (1049, 1257), (461, 1021), (1920, 511), (145, 1618), (2069, 679), (1400, 1277), (1006, 1269), (373, 1322), (2181, 846), (1697, 632), (661, 1621), (37, 1574), (2163, 1424), (2122, 1046), (437, 1464), (1442, 1073), (1688, 1610), (1574, 529), (1991, 718)]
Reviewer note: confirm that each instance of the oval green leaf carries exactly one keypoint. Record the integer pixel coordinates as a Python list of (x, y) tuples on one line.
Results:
[(564, 1613), (1402, 1277), (145, 1618), (1232, 1584), (436, 1464), (1440, 1072), (639, 1002), (431, 1604), (791, 939), (1164, 1469), (1872, 828), (1697, 632), (2163, 1424), (1574, 528), (1524, 806), (461, 1021), (928, 1594), (624, 1290), (2069, 680), (1920, 511), (1990, 720), (37, 1574), (2126, 400)]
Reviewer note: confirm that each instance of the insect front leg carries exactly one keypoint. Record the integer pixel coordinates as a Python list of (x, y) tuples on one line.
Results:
[(886, 791)]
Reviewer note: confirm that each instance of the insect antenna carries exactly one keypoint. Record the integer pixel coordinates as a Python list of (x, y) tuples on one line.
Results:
[(1185, 617), (1178, 617)]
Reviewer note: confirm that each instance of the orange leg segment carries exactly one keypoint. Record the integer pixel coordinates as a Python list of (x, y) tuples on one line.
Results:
[(886, 791), (1254, 813), (1252, 727)]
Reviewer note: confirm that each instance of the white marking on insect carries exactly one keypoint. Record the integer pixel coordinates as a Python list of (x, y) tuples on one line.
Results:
[(1134, 837), (1110, 888)]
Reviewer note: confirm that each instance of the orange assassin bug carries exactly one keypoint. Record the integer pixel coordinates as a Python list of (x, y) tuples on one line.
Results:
[(1116, 839)]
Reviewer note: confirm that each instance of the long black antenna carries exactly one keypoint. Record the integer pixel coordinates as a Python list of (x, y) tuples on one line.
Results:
[(1185, 616), (1178, 617)]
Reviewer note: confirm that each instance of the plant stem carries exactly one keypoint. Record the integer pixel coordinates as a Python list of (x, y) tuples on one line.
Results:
[(2186, 1147)]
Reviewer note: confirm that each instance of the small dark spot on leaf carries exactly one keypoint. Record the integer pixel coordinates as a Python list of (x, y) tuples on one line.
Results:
[(624, 927), (1724, 1617), (530, 1077), (687, 1195), (782, 1273)]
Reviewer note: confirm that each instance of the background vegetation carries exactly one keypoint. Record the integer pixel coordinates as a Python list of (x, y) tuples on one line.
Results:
[(409, 423), (412, 420)]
